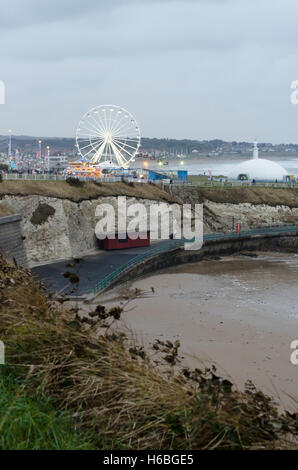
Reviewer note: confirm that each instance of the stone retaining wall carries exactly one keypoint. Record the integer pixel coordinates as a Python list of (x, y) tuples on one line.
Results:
[(11, 239)]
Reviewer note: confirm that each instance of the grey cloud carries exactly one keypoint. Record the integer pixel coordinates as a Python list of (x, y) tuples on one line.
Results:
[(188, 68), (23, 13), (18, 13), (127, 31)]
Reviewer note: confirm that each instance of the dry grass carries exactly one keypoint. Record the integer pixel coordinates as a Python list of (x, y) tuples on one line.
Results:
[(122, 397), (90, 190), (258, 195)]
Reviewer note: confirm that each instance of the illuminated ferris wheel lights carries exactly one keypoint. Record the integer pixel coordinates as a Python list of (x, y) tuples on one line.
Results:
[(108, 137)]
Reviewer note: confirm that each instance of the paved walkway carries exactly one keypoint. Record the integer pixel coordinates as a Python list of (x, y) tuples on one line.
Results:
[(90, 270), (93, 269)]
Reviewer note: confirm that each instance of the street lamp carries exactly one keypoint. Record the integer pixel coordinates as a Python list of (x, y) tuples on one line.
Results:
[(39, 144), (48, 158), (9, 143)]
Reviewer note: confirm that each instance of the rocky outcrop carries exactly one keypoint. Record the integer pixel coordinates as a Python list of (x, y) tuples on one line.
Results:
[(226, 216)]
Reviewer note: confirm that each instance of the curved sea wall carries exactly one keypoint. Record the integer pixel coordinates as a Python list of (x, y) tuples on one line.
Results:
[(211, 250)]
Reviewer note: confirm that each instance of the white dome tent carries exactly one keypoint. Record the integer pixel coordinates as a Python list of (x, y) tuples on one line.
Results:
[(258, 169)]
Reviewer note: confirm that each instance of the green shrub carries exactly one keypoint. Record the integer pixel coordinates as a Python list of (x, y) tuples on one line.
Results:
[(128, 183), (74, 181)]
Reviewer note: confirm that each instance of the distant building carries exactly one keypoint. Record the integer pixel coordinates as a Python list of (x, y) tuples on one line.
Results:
[(57, 162)]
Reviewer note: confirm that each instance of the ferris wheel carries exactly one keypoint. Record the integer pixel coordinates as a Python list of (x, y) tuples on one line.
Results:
[(108, 135)]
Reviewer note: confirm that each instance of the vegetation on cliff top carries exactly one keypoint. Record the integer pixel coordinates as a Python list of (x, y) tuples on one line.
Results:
[(92, 190), (89, 190), (63, 372), (253, 195)]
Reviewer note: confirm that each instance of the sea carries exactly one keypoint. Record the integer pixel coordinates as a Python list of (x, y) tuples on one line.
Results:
[(221, 165)]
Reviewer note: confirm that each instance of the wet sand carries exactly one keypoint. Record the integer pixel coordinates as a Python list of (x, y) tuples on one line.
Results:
[(239, 313)]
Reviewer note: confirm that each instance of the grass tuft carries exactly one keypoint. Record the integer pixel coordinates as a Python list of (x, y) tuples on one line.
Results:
[(30, 422)]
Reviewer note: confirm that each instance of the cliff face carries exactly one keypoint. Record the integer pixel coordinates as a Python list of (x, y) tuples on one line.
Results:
[(252, 207), (60, 228), (224, 216)]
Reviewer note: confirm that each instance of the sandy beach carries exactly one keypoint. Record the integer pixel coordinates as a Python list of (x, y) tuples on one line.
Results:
[(239, 313)]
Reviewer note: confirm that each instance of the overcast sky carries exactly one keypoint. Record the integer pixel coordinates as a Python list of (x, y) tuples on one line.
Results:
[(185, 69)]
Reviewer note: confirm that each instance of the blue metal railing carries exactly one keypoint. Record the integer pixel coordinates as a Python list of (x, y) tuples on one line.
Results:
[(173, 244)]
